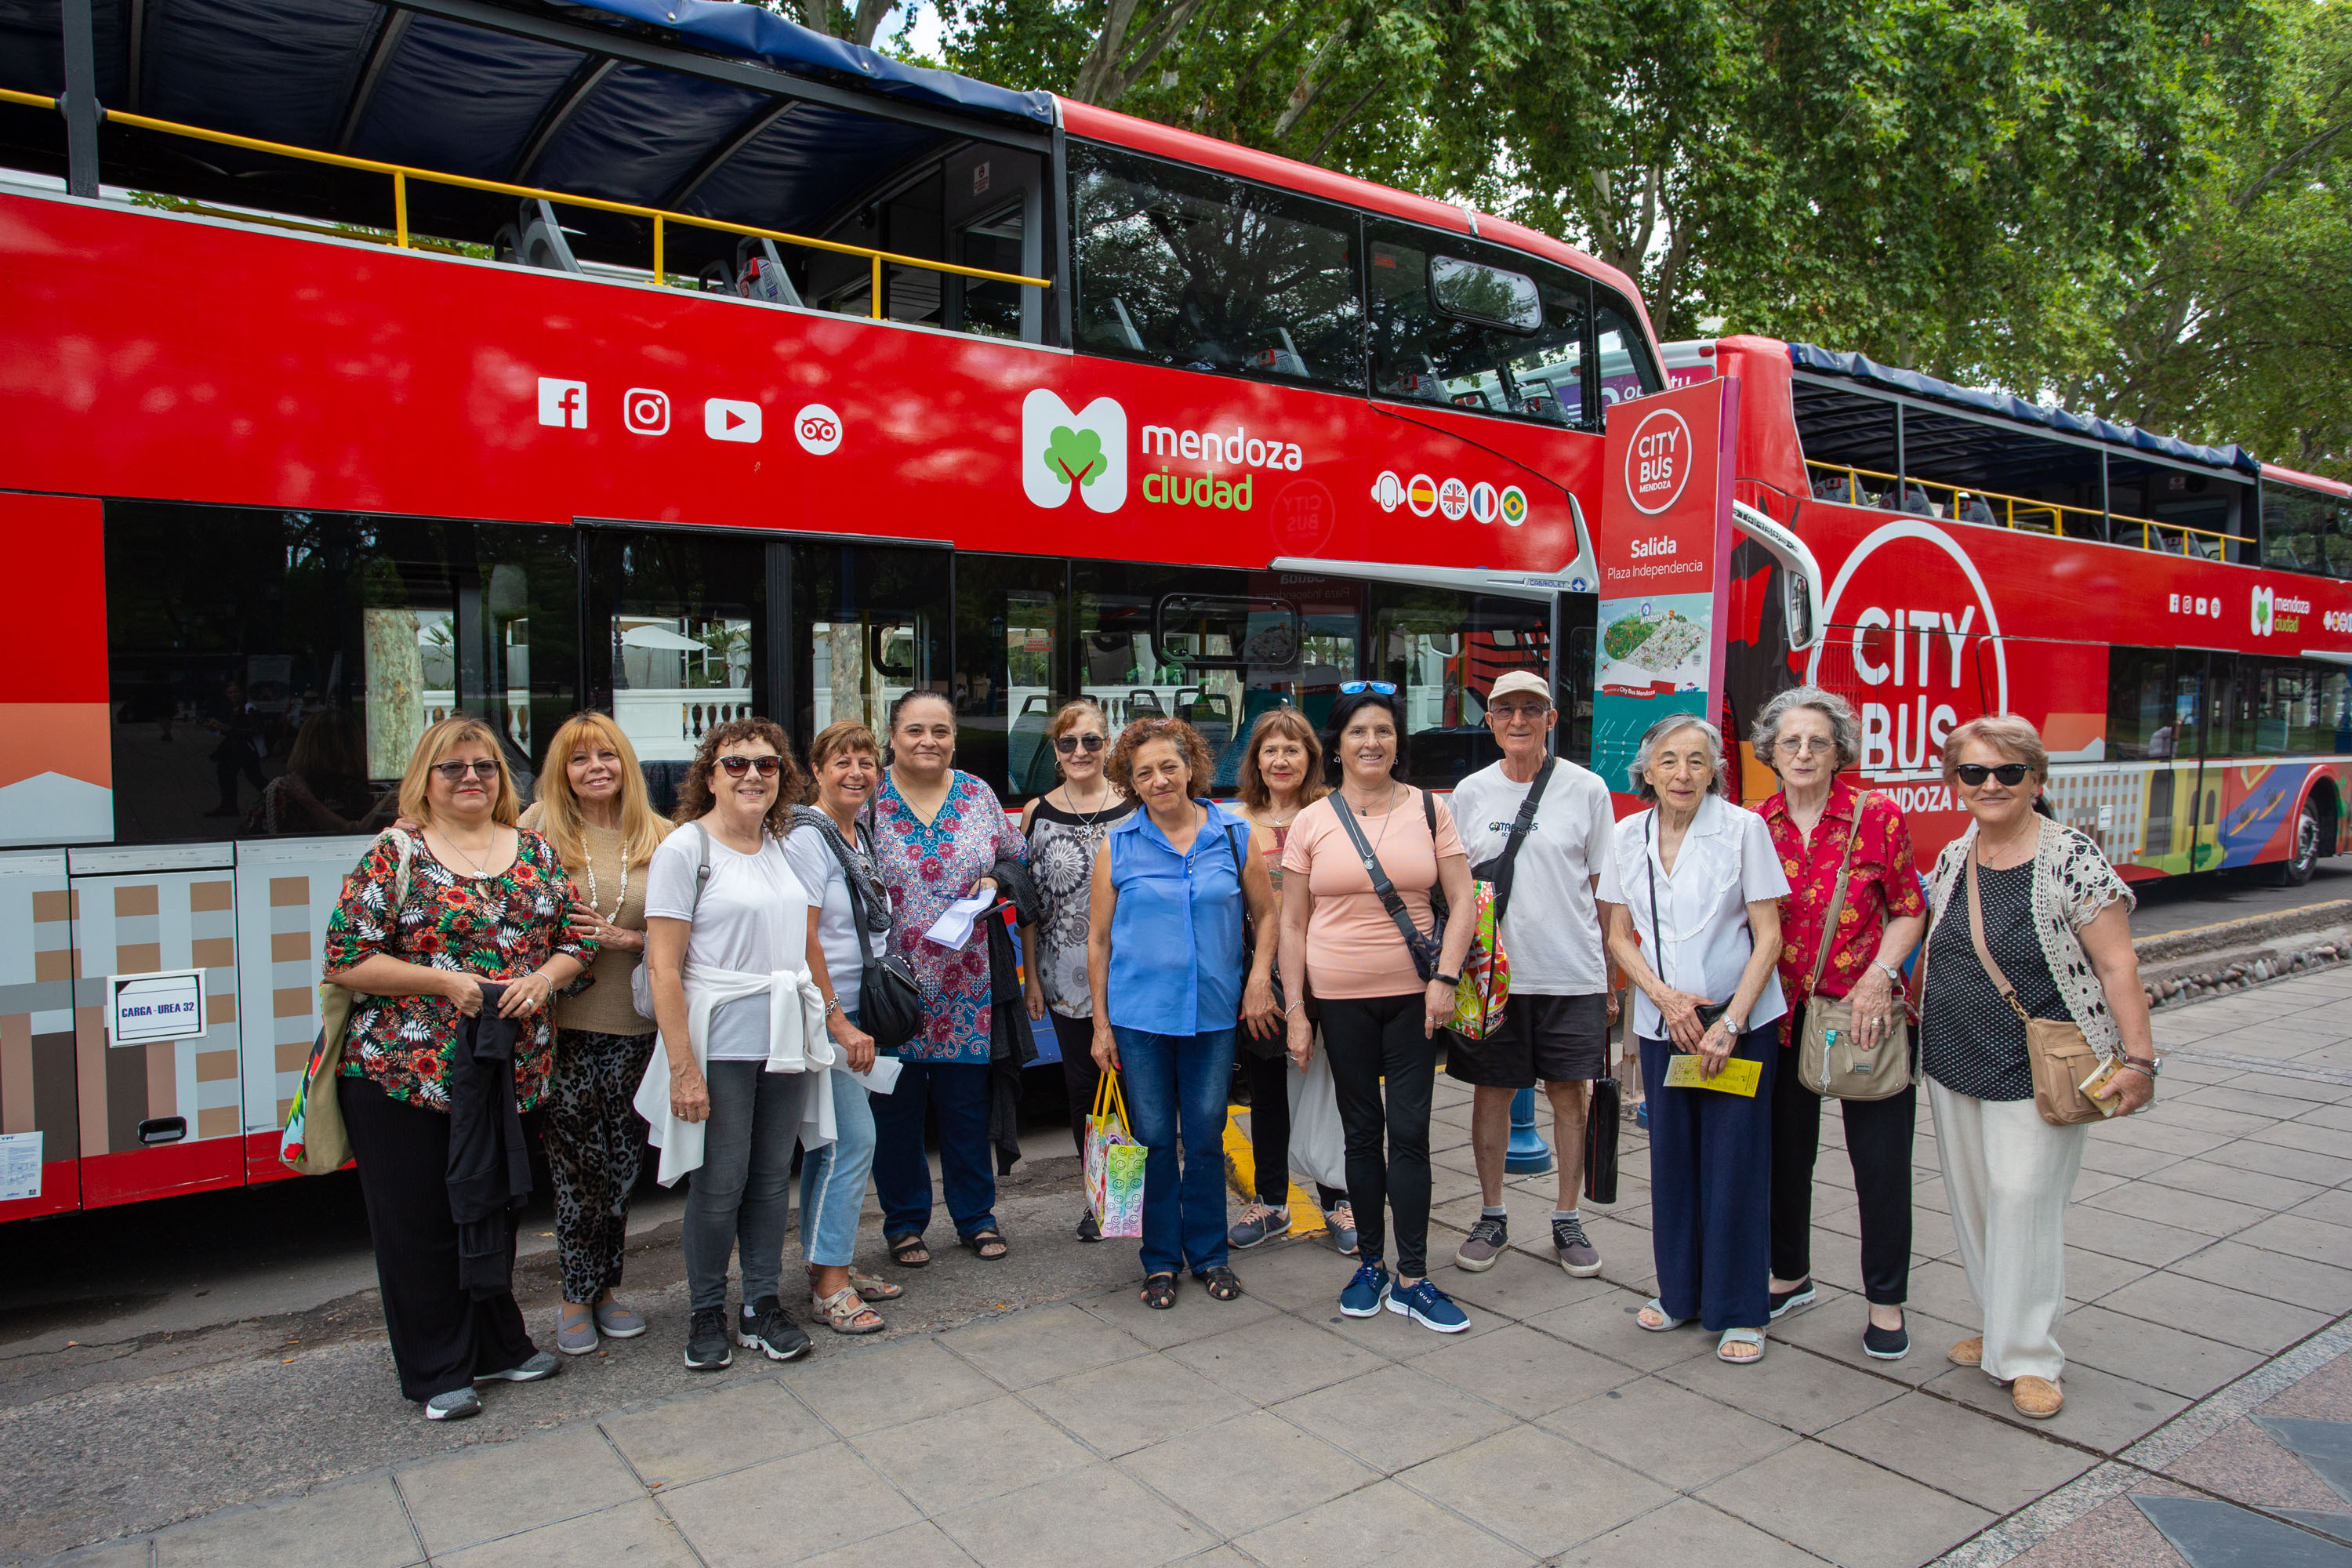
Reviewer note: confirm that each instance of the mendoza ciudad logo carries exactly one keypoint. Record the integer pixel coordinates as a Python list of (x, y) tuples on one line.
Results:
[(1065, 454)]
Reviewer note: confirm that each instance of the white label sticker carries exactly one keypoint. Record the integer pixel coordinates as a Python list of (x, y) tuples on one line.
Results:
[(20, 1165), (166, 1007)]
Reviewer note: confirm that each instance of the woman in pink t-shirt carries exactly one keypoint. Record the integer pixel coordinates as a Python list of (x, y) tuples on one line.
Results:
[(1381, 1007)]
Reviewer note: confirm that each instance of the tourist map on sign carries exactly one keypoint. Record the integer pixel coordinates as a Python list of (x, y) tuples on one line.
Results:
[(1656, 641)]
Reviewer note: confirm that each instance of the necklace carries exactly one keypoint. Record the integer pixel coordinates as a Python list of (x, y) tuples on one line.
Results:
[(1388, 801), (1101, 805), (619, 898), (2031, 829), (481, 868)]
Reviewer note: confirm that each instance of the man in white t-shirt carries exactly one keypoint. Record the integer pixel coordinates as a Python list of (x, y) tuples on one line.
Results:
[(1556, 1026)]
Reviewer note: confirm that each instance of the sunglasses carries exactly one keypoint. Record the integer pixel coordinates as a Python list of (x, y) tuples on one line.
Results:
[(1069, 744), (1356, 687), (488, 768), (737, 767), (1975, 774)]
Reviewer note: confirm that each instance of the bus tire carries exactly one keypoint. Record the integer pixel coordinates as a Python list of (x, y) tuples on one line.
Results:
[(2302, 852)]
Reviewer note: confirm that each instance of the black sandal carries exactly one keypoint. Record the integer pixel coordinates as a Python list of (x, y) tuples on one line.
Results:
[(979, 1241), (909, 1251), (1160, 1292), (1221, 1283)]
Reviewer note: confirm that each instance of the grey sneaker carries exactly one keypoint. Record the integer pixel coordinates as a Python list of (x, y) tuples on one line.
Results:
[(457, 1404), (617, 1322), (1576, 1253), (706, 1340), (1487, 1238), (1340, 1221), (542, 1364), (1259, 1223), (766, 1328), (576, 1329)]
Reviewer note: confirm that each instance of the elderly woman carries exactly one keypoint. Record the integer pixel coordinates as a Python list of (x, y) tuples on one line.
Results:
[(1694, 922), (1164, 960), (456, 947), (2041, 901), (939, 833), (1821, 823)]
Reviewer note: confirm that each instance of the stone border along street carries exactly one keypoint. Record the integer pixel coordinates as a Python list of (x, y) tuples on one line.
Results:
[(2209, 1269)]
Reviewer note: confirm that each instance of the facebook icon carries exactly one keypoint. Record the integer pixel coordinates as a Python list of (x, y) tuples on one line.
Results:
[(563, 403)]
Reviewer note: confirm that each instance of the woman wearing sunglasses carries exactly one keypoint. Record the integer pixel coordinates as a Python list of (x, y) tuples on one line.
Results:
[(1065, 827), (728, 927), (2056, 920), (452, 932)]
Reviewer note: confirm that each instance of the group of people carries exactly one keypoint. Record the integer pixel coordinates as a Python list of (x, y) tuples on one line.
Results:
[(705, 978)]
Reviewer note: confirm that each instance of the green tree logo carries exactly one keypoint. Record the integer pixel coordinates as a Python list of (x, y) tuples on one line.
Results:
[(1076, 457), (1070, 452)]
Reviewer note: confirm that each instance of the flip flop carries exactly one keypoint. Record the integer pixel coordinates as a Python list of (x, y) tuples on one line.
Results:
[(1740, 1337)]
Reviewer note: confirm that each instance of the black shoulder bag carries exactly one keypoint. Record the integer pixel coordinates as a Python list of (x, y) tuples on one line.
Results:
[(1496, 873), (889, 998), (1425, 950)]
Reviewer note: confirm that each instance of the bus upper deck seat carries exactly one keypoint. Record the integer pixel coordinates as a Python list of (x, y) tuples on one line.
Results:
[(536, 239)]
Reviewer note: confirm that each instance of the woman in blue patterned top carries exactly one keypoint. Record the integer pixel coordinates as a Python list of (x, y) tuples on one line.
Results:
[(938, 836)]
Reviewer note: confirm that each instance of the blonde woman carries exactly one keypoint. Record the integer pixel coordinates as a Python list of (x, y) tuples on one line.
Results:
[(469, 947), (593, 809)]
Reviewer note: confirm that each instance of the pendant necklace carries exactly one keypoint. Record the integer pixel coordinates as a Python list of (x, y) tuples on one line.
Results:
[(614, 918), (481, 868)]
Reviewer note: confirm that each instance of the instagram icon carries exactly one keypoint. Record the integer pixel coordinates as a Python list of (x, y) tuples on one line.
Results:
[(646, 411)]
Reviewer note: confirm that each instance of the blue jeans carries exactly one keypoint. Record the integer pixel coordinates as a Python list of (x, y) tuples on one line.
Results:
[(902, 1172), (1176, 1089), (833, 1179)]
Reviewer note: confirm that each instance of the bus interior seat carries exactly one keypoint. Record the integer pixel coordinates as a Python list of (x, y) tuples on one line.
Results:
[(536, 239), (1143, 702), (759, 273), (715, 279), (1026, 746), (1281, 361)]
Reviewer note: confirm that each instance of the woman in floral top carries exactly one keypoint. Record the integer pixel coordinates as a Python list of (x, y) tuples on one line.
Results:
[(938, 836), (1807, 734), (482, 924)]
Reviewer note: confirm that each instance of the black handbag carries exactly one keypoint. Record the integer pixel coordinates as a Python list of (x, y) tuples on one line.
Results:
[(1601, 1140), (889, 998), (1425, 950)]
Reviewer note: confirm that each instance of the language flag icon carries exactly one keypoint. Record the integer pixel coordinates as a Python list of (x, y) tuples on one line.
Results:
[(1484, 502)]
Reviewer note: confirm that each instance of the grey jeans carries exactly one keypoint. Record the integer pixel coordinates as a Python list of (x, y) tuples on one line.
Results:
[(742, 1198)]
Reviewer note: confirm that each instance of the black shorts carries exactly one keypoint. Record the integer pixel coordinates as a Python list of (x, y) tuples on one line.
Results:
[(1559, 1039)]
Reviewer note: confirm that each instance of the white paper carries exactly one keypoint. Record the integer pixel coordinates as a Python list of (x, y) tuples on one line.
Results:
[(952, 930), (20, 1165), (882, 1077)]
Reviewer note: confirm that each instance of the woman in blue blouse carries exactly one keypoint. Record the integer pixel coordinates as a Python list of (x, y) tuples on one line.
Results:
[(1164, 960)]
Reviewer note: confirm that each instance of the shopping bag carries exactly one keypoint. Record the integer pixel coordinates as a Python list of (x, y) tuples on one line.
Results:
[(1600, 1142), (1485, 983), (313, 1143), (1114, 1164), (1319, 1144)]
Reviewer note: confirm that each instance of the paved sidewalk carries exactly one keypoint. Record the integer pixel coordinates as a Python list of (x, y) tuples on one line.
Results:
[(2209, 1266)]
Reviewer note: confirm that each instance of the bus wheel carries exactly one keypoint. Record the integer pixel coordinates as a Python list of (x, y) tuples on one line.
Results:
[(2295, 869)]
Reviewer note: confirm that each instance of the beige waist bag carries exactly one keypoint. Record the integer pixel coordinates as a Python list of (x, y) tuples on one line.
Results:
[(2062, 1057), (1830, 1058)]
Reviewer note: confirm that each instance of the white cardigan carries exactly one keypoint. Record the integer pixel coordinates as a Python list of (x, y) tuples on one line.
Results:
[(797, 1042)]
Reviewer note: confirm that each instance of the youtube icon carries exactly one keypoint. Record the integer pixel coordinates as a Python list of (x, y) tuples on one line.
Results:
[(725, 419)]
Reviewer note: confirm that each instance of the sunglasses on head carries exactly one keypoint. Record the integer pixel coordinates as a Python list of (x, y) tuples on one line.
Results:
[(1355, 687), (737, 767), (484, 768), (1069, 744), (1975, 774)]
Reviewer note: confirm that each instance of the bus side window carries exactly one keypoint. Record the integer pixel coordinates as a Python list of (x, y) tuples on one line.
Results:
[(1444, 651), (1474, 326), (1626, 369), (1184, 267)]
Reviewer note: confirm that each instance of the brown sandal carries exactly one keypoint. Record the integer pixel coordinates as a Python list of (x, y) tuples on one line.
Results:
[(845, 1312)]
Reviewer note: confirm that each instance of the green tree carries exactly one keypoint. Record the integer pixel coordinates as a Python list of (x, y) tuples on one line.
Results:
[(1075, 455)]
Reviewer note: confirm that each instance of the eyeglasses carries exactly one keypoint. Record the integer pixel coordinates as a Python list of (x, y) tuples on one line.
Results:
[(1975, 774), (1805, 746), (1356, 687), (485, 768), (737, 767), (1069, 744)]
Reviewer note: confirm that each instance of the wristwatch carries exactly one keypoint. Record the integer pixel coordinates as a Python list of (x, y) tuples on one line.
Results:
[(1448, 979), (1892, 973)]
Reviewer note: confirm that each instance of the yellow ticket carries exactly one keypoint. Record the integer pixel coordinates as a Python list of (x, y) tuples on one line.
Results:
[(1739, 1076)]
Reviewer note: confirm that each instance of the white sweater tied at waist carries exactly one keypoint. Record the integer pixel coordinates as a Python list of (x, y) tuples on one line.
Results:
[(797, 1043)]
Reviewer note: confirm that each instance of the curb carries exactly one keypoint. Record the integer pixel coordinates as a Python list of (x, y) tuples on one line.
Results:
[(2191, 966)]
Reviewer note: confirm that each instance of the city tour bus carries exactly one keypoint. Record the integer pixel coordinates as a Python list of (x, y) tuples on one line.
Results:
[(2174, 617), (367, 363)]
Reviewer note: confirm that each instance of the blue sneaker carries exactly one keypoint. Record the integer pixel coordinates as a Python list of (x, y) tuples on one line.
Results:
[(1430, 1307), (1365, 1292)]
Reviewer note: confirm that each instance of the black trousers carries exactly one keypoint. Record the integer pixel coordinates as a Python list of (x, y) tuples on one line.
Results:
[(1369, 1038), (1080, 1077), (1269, 1110), (1878, 1145), (442, 1339)]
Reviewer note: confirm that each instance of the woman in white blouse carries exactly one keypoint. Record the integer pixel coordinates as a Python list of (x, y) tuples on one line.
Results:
[(1694, 919)]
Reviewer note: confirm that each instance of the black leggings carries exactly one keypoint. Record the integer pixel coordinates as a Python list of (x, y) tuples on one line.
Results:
[(1269, 1110), (1080, 1077), (1878, 1146), (1369, 1038)]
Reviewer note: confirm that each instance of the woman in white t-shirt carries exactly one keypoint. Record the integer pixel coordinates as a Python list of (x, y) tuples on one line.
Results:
[(742, 1032)]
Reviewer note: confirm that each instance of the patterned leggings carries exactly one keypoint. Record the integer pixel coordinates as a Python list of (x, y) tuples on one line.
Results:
[(592, 1139)]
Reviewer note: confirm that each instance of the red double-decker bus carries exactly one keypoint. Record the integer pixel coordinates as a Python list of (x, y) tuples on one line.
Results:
[(367, 362)]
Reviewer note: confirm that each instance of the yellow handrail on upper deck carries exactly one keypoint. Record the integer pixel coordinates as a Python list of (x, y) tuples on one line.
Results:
[(402, 173), (2150, 529)]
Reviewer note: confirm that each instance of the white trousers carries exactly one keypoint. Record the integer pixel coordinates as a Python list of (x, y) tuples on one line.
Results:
[(2009, 1175)]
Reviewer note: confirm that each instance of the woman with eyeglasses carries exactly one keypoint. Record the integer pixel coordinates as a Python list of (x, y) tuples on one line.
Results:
[(1820, 823), (457, 939), (740, 1072), (1384, 994), (2041, 900), (1065, 827)]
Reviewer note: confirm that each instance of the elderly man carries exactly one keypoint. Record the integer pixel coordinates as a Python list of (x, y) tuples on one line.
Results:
[(1540, 828)]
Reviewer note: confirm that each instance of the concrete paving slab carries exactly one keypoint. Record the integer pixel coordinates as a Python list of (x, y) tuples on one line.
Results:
[(2214, 1179), (496, 1490), (888, 1385), (1082, 1519), (1037, 1345), (2312, 1240), (1536, 1490), (1116, 1410), (1276, 1358), (2295, 1280), (2187, 1210), (1675, 1437), (360, 1523), (1393, 1418), (2092, 1275), (1195, 1317), (632, 1534), (2133, 1240), (2234, 1317), (1686, 1533), (788, 1509), (1989, 1463), (1834, 1328), (2155, 1353), (2103, 1411), (1525, 1373), (1789, 1387), (1838, 1507), (1383, 1521), (696, 1437), (1605, 1324), (1246, 1473), (920, 1545), (970, 1455), (2308, 1136)]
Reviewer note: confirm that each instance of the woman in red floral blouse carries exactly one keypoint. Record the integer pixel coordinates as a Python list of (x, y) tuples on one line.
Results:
[(1808, 735), (482, 924)]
